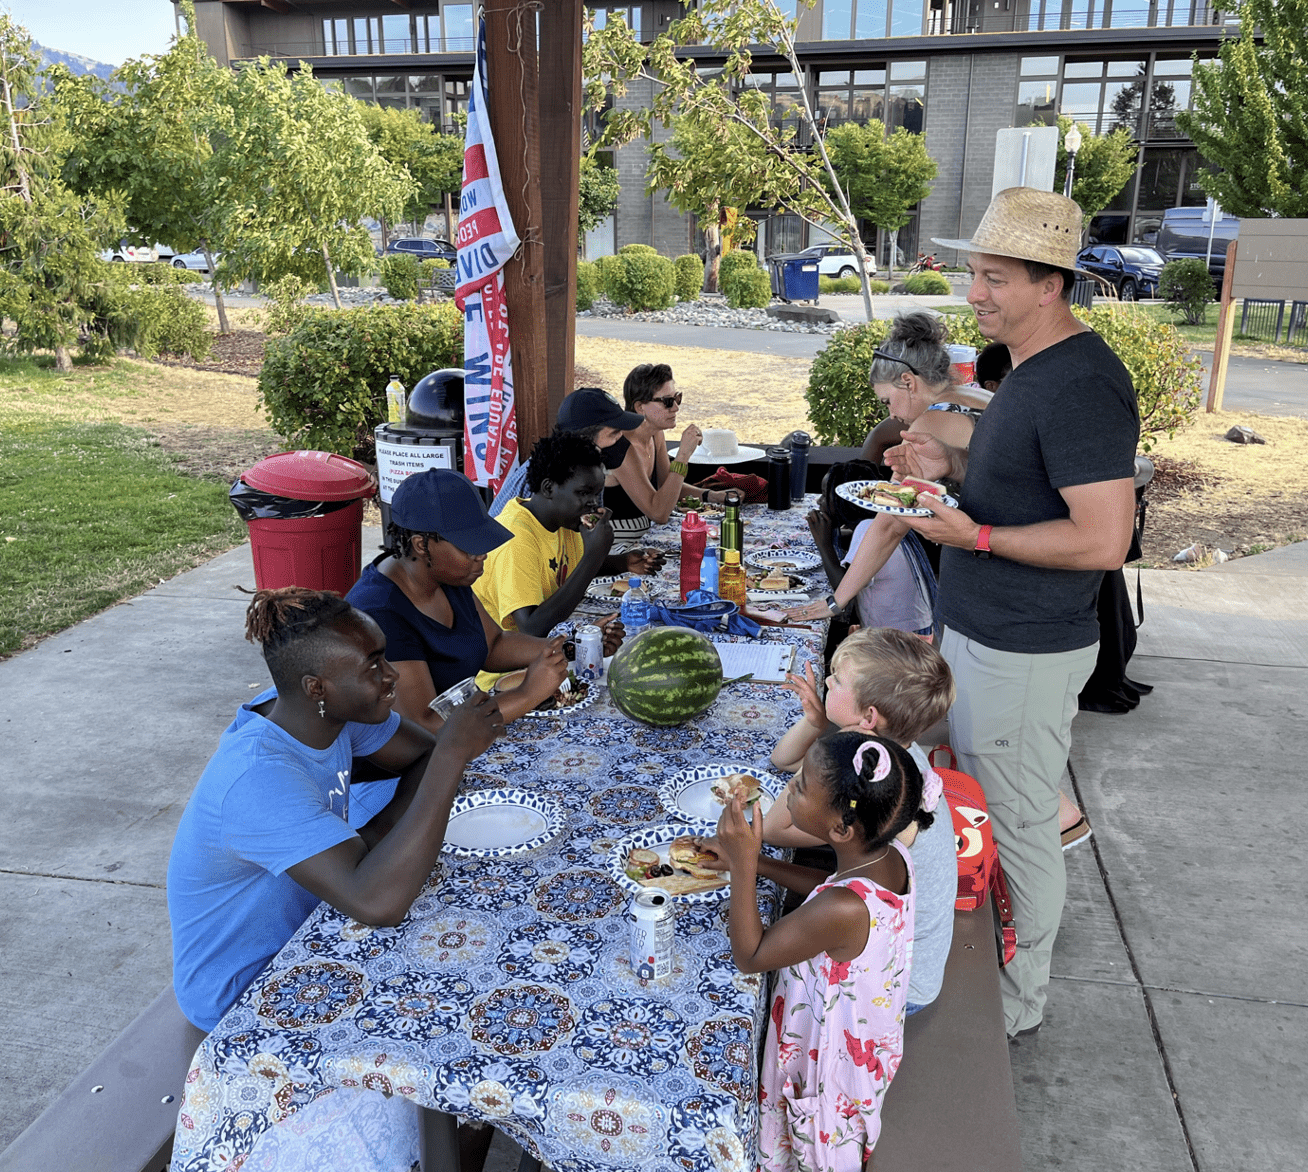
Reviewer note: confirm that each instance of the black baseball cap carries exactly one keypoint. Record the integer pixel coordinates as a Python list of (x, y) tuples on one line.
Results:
[(591, 407), (446, 503)]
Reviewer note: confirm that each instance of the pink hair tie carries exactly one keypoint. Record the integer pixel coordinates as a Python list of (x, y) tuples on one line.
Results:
[(932, 787), (882, 770)]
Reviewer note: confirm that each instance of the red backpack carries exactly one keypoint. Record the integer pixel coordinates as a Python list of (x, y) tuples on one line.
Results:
[(979, 869)]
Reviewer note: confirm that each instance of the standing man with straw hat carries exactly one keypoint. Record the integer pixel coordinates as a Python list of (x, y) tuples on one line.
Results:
[(1047, 506)]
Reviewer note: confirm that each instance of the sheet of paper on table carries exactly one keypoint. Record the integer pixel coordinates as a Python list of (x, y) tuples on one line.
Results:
[(768, 662)]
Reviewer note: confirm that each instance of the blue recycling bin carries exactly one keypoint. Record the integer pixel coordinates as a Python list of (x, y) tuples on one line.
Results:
[(794, 278)]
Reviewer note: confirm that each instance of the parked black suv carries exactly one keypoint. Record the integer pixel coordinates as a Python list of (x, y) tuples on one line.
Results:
[(423, 249), (1132, 269)]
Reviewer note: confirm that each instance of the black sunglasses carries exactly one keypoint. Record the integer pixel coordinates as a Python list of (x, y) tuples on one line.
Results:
[(669, 401), (896, 358)]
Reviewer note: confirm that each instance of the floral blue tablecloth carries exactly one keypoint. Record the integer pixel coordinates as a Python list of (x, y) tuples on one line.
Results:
[(506, 995)]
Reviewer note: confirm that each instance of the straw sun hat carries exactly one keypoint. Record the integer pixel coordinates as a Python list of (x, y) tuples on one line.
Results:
[(1028, 224)]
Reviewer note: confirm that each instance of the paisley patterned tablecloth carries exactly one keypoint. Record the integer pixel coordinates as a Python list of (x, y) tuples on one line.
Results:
[(506, 995)]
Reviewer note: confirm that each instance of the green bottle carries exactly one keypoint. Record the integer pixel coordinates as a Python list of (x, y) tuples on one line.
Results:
[(733, 528)]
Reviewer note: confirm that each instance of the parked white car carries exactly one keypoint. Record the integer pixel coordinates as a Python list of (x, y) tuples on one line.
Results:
[(142, 255), (194, 260), (835, 260)]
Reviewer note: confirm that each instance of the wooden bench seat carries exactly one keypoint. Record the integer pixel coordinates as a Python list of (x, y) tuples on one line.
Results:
[(127, 1125), (951, 1106)]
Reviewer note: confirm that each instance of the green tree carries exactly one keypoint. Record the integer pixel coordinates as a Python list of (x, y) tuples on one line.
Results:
[(433, 160), (49, 235), (883, 177), (598, 193), (801, 179), (300, 173), (713, 168), (1250, 113), (1104, 165), (148, 134)]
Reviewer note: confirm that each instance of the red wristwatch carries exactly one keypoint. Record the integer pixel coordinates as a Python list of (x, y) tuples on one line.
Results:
[(982, 547)]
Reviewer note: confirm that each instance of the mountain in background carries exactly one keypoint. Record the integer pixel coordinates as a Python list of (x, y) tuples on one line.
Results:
[(76, 63)]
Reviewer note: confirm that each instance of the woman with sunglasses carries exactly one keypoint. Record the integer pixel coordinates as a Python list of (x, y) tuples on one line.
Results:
[(643, 484)]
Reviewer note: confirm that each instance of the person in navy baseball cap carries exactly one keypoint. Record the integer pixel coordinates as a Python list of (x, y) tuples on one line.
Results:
[(590, 407), (445, 502)]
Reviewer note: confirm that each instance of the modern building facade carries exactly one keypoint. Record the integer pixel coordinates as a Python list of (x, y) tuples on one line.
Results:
[(955, 70)]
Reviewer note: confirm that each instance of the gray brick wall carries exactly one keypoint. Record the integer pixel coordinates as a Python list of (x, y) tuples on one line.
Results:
[(969, 98), (642, 218)]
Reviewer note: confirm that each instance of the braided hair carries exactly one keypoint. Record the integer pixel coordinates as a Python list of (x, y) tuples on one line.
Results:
[(398, 542), (293, 625), (881, 808)]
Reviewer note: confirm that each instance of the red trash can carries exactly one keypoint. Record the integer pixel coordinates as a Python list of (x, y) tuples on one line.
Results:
[(317, 547)]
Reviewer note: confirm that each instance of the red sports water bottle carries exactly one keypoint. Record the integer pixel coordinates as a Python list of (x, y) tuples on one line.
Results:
[(694, 538)]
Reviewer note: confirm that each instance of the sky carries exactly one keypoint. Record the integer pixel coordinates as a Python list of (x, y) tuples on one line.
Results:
[(104, 30)]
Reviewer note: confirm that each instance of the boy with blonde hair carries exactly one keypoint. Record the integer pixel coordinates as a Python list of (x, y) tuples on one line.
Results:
[(898, 686)]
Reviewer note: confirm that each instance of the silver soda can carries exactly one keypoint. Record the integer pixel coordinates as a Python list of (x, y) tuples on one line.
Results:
[(589, 665), (652, 930)]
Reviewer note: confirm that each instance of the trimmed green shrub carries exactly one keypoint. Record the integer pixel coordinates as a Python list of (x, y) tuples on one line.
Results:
[(640, 279), (839, 285), (151, 318), (607, 269), (928, 285), (1187, 287), (587, 284), (743, 283), (324, 384), (286, 308), (1168, 379), (841, 402), (400, 273), (690, 277)]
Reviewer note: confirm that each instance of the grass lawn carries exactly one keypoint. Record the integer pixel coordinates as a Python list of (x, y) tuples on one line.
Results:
[(93, 510)]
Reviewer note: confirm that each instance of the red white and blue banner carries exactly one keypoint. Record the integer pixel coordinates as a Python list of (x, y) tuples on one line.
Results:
[(487, 239)]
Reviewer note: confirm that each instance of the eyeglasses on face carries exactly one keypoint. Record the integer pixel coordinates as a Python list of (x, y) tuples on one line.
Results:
[(669, 401), (896, 358)]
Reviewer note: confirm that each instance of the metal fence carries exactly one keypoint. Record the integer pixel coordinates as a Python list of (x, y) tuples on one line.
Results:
[(1261, 318), (1296, 329)]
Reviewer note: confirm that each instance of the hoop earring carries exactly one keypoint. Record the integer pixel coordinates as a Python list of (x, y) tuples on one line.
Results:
[(322, 709)]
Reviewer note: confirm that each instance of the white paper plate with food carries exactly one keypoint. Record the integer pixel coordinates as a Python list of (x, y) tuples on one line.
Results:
[(490, 823), (565, 701), (774, 582), (886, 496), (699, 794), (789, 558), (665, 857), (702, 455), (612, 588)]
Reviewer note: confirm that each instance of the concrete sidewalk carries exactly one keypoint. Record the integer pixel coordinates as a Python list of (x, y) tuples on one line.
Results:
[(1178, 1017)]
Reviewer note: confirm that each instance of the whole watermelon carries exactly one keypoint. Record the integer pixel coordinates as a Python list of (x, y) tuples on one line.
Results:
[(665, 676)]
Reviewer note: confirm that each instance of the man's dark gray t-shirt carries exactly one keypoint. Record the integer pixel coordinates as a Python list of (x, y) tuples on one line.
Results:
[(1064, 417)]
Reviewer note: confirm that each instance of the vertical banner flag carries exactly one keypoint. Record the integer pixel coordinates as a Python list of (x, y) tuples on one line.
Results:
[(487, 239)]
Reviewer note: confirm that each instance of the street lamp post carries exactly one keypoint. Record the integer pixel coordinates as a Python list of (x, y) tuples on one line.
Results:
[(1072, 141)]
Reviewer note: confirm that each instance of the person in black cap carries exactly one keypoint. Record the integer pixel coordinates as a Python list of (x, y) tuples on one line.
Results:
[(419, 591), (592, 413)]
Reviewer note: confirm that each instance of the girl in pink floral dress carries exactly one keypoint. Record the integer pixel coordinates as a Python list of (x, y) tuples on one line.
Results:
[(842, 957)]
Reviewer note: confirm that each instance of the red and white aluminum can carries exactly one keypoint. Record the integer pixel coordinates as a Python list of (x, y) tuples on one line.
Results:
[(589, 664), (653, 927), (962, 362)]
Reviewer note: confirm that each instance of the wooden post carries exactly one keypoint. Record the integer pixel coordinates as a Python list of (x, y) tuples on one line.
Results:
[(512, 69), (1225, 325), (560, 126)]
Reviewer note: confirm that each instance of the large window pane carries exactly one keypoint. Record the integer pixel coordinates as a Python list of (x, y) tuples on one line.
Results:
[(1081, 103), (1035, 103), (1167, 178), (359, 87), (1039, 66), (1129, 14), (868, 104), (1175, 68), (837, 20), (395, 34), (906, 18), (460, 35), (833, 106), (869, 77), (908, 71), (1123, 102), (906, 108), (1083, 69), (1079, 15), (363, 35), (1169, 96), (1126, 68), (328, 39), (870, 19), (826, 78)]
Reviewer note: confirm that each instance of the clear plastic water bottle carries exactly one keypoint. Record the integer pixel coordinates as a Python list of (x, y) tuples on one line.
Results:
[(635, 608), (708, 570)]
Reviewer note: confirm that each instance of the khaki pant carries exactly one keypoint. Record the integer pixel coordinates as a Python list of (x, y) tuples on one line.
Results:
[(1011, 729)]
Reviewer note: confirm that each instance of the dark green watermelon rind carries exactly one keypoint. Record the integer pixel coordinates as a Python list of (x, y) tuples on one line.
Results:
[(664, 677)]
